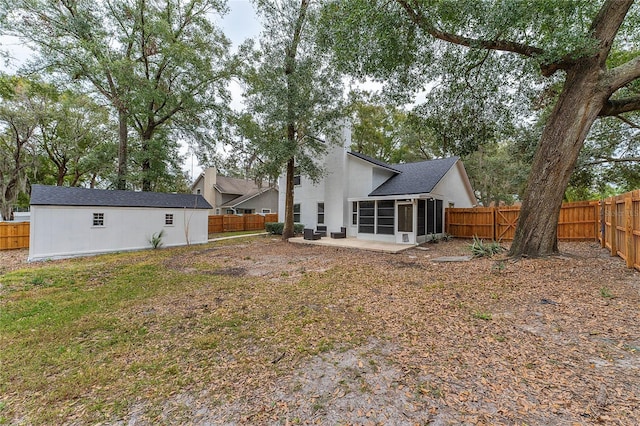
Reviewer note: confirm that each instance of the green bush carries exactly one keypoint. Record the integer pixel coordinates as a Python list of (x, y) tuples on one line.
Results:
[(274, 227), (481, 249), (277, 227)]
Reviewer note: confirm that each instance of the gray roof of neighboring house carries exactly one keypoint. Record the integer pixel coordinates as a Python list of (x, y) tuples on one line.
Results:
[(375, 162), (228, 185), (44, 195), (241, 199), (415, 178)]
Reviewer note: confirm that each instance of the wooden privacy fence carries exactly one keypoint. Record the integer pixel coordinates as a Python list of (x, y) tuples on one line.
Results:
[(232, 222), (14, 235), (620, 224), (577, 222)]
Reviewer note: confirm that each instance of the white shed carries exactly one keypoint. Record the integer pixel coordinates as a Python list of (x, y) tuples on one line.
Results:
[(67, 222)]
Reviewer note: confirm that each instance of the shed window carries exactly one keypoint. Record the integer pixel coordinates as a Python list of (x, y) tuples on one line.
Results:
[(98, 219), (168, 219)]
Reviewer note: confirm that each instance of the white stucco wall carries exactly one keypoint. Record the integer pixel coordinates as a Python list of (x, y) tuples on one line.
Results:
[(453, 188), (62, 231)]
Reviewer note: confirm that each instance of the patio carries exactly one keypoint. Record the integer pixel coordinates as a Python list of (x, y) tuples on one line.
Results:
[(355, 243)]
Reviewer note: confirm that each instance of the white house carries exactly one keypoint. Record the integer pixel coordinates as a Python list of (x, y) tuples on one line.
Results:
[(67, 222), (373, 200), (235, 196)]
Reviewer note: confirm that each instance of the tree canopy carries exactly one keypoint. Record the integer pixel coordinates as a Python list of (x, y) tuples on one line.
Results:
[(293, 96), (586, 48)]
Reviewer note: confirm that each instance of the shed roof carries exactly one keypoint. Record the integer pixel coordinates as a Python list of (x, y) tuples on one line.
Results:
[(45, 195), (415, 178)]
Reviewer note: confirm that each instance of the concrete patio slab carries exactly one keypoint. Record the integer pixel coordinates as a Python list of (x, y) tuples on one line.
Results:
[(452, 259), (355, 243)]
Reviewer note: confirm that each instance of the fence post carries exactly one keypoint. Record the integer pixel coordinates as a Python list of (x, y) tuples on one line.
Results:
[(494, 224), (603, 224), (628, 236), (614, 226)]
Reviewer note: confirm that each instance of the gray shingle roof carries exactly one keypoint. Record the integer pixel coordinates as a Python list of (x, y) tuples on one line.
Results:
[(44, 195), (243, 198), (415, 178), (372, 160)]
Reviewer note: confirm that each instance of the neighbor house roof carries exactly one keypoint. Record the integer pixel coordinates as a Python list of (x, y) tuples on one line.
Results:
[(243, 198), (415, 178), (375, 162), (228, 185), (44, 195)]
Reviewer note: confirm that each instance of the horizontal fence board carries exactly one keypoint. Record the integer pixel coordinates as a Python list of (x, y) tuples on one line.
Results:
[(577, 222), (14, 235), (247, 222)]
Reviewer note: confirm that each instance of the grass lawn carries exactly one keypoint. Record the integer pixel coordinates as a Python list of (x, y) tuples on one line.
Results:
[(257, 331)]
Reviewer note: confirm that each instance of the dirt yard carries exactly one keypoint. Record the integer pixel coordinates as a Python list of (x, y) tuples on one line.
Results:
[(399, 339)]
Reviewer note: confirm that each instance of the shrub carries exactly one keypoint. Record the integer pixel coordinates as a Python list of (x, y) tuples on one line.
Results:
[(481, 249), (274, 227), (278, 227), (156, 239)]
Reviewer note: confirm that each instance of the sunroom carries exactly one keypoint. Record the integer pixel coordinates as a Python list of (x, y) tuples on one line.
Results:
[(397, 219)]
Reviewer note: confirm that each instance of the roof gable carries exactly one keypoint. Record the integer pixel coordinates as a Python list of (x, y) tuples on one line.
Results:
[(375, 162), (415, 178), (45, 195), (244, 198), (229, 185)]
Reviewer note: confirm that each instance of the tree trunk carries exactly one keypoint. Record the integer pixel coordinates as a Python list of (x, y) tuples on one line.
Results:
[(287, 232), (146, 160), (577, 108), (122, 150)]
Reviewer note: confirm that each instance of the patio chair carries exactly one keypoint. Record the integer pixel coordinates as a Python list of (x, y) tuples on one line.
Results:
[(310, 234), (341, 234), (322, 230)]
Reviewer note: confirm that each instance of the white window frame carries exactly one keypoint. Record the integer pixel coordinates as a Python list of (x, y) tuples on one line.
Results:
[(98, 220), (169, 219)]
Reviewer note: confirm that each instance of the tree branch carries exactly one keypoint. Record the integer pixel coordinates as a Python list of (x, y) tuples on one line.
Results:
[(612, 160), (622, 75), (423, 23), (619, 106)]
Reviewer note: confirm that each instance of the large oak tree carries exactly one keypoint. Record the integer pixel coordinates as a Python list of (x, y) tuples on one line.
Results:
[(571, 42)]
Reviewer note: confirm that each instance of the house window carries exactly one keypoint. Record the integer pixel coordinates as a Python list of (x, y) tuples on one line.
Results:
[(320, 213), (266, 211), (198, 191), (354, 213), (98, 219), (367, 216), (434, 216), (296, 213), (296, 177), (385, 222), (422, 219), (439, 216), (168, 219)]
